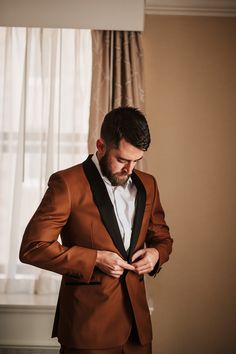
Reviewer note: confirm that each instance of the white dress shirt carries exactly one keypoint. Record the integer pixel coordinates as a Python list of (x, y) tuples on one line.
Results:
[(123, 200)]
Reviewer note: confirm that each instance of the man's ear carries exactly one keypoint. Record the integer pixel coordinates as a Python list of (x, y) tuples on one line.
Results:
[(101, 147)]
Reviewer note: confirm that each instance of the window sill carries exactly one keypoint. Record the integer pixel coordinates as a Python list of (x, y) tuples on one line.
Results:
[(28, 300)]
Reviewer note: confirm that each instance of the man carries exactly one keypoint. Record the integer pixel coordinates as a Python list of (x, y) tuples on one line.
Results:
[(113, 232)]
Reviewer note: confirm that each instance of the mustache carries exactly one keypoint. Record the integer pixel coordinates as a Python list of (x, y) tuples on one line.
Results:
[(122, 174)]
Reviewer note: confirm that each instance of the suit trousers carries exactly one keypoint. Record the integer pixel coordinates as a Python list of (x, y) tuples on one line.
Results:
[(127, 348), (132, 346)]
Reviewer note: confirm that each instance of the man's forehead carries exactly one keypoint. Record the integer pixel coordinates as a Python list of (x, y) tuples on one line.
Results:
[(128, 154)]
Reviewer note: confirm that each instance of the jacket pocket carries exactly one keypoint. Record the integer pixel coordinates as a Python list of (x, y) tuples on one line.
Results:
[(74, 281), (83, 283)]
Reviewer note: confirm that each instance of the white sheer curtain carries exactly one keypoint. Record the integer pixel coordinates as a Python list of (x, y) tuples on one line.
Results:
[(45, 83)]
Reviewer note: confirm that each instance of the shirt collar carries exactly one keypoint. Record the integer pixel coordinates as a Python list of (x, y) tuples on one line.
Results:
[(105, 179)]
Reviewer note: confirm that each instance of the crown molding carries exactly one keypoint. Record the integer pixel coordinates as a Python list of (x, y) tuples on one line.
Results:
[(117, 15), (221, 8)]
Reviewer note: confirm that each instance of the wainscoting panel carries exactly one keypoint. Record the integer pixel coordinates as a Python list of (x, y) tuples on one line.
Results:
[(28, 350), (26, 324)]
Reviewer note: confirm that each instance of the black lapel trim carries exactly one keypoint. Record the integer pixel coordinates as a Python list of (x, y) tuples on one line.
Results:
[(140, 206), (104, 204)]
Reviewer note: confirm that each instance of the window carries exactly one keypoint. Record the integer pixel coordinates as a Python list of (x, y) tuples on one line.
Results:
[(45, 83)]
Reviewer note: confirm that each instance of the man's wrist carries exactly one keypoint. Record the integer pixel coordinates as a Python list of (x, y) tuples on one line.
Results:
[(98, 257)]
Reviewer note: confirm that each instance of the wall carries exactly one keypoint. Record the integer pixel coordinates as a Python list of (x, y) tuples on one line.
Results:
[(190, 75)]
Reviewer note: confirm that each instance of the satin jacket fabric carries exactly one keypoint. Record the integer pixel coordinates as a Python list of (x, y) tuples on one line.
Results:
[(94, 310)]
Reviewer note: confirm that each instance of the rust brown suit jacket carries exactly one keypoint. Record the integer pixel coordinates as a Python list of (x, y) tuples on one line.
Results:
[(94, 310)]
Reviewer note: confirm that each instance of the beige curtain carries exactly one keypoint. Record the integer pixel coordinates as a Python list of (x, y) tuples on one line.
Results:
[(117, 76)]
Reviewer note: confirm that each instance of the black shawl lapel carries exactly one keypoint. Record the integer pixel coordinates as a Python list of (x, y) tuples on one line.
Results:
[(140, 206), (104, 204)]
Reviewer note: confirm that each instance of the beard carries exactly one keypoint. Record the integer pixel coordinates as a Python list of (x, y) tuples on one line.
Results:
[(116, 179)]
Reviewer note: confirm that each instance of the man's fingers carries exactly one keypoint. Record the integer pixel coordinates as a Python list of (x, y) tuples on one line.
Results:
[(112, 264), (138, 254), (123, 264), (116, 273), (144, 260), (126, 265), (145, 267)]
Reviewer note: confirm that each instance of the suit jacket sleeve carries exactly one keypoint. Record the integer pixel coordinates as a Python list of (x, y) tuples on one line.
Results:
[(40, 246), (158, 235)]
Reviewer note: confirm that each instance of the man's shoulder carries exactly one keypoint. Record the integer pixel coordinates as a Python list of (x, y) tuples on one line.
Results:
[(69, 174)]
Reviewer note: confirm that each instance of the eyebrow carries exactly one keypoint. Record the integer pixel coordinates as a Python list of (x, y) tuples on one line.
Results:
[(122, 158)]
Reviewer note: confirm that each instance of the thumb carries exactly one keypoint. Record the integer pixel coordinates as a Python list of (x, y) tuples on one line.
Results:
[(126, 265), (138, 254)]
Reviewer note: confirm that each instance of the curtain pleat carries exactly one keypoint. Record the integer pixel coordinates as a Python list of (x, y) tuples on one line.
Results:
[(20, 163), (117, 76), (128, 70)]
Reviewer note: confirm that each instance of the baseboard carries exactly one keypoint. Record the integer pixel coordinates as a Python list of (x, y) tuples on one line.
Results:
[(28, 350)]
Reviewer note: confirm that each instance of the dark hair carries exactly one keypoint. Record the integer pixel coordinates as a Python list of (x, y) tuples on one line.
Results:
[(128, 123)]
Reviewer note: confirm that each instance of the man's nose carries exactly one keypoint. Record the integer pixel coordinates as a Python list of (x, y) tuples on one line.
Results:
[(129, 167)]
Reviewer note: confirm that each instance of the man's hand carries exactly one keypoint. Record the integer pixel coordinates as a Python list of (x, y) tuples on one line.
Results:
[(112, 264), (145, 260)]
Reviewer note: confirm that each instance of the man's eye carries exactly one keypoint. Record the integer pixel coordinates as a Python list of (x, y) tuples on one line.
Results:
[(121, 161)]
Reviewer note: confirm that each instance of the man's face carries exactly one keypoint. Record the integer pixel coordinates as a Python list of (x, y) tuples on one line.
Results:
[(117, 164)]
